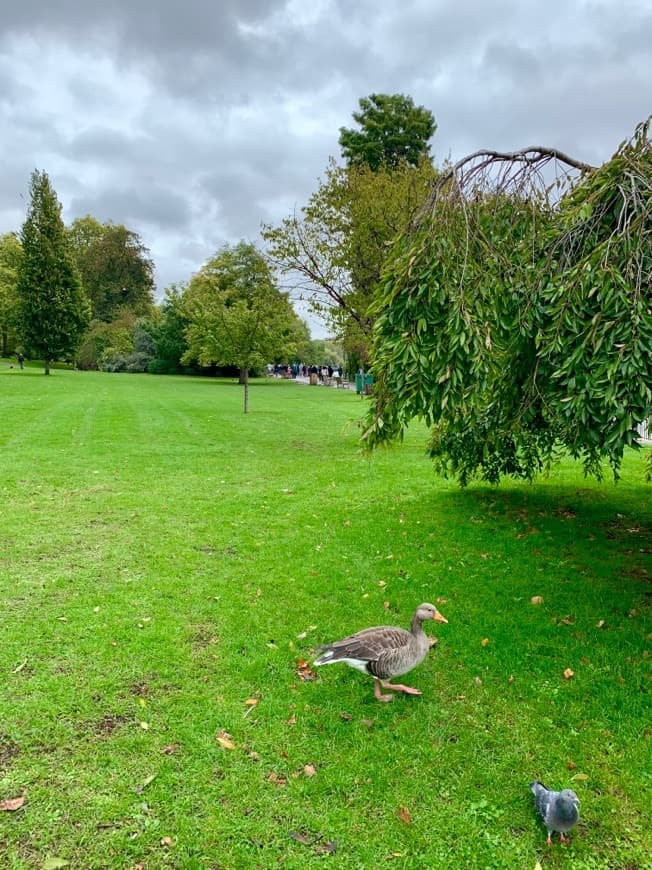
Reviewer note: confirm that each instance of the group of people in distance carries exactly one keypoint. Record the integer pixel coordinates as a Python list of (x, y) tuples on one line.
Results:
[(295, 370)]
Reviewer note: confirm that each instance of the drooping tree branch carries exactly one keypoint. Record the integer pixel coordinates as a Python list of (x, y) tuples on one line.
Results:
[(501, 172)]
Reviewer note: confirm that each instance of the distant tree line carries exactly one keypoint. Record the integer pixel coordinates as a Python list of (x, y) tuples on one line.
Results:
[(85, 294), (505, 300)]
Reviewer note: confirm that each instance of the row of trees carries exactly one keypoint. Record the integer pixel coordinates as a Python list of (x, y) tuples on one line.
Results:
[(86, 293)]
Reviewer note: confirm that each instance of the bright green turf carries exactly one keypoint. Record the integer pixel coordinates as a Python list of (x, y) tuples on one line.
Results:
[(165, 558)]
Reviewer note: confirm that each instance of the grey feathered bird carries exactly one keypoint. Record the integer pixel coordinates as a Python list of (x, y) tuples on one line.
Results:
[(384, 652), (560, 810)]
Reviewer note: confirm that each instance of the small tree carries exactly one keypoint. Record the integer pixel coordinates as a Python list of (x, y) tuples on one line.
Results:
[(236, 315), (52, 310)]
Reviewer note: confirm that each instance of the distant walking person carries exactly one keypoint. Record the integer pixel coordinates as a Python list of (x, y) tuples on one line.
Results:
[(21, 360)]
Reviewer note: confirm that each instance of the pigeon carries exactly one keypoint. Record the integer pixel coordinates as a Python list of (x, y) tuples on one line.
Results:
[(560, 810)]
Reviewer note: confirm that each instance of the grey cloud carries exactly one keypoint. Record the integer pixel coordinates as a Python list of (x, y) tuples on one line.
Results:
[(154, 206)]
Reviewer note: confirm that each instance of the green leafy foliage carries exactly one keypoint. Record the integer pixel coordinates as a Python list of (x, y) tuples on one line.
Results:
[(116, 270), (168, 333), (52, 310), (596, 324), (392, 130), (10, 255), (517, 323)]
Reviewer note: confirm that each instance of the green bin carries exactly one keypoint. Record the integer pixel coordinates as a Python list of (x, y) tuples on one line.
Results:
[(368, 381)]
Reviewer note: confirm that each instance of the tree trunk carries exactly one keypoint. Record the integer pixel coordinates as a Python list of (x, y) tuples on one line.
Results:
[(5, 343), (47, 365), (244, 380)]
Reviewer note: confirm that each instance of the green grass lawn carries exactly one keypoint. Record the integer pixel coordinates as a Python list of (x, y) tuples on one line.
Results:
[(167, 564)]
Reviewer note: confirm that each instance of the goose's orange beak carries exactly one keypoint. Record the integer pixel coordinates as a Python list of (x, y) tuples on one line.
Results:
[(439, 618)]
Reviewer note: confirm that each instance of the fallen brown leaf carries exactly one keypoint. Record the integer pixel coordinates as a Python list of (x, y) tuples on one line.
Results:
[(11, 804), (536, 599), (167, 841), (304, 670), (170, 749), (276, 779), (484, 641), (404, 815), (224, 739), (309, 770), (569, 674)]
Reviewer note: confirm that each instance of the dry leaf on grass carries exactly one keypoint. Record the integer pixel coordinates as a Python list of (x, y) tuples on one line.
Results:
[(277, 779), (309, 770), (11, 804), (484, 641), (224, 739), (404, 815), (304, 670), (569, 674), (536, 599)]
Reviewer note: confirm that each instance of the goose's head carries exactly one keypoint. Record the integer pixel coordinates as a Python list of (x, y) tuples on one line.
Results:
[(429, 611)]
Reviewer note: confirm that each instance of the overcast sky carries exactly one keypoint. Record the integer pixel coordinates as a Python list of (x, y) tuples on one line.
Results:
[(193, 121)]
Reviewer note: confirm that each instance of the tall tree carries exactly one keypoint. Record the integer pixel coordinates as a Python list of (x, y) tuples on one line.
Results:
[(53, 310), (236, 315), (391, 130), (116, 270), (10, 255), (334, 250)]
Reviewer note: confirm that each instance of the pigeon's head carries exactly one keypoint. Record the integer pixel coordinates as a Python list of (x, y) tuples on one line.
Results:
[(569, 795)]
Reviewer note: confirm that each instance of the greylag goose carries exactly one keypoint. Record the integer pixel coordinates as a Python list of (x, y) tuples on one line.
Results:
[(384, 652), (560, 810)]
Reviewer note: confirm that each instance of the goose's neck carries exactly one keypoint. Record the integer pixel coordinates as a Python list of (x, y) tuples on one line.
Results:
[(416, 626)]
